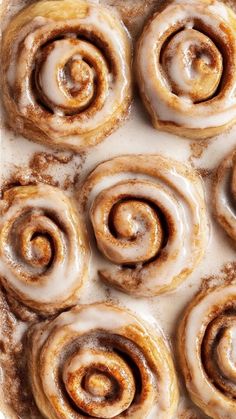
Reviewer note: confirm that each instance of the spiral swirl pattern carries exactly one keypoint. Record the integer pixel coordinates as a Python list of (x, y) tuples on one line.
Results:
[(185, 66), (207, 348), (66, 72), (43, 247), (101, 361), (224, 194), (148, 216)]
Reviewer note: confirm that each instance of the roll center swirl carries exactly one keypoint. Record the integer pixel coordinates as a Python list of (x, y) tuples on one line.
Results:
[(193, 65), (37, 240), (37, 251), (68, 72), (99, 385), (81, 75), (133, 220)]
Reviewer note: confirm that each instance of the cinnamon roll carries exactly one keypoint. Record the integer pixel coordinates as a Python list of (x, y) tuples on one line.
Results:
[(66, 73), (186, 68), (207, 351), (149, 219), (43, 247), (224, 195), (101, 361)]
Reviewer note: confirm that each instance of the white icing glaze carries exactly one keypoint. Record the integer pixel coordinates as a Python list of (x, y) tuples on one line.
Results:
[(137, 135), (216, 112), (35, 24), (40, 284), (201, 385), (225, 205), (179, 198), (118, 370), (113, 93), (51, 73), (226, 354), (189, 69), (160, 392)]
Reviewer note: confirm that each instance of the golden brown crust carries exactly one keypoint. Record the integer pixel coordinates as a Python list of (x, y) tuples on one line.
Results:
[(187, 80), (66, 73)]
